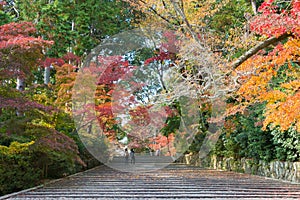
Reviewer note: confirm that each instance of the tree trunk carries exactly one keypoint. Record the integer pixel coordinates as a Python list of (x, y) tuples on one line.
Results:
[(20, 84), (254, 7), (47, 75)]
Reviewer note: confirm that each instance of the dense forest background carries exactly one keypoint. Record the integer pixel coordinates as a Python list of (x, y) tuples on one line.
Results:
[(254, 45)]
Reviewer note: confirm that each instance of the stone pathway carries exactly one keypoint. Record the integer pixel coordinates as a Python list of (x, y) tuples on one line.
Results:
[(173, 182)]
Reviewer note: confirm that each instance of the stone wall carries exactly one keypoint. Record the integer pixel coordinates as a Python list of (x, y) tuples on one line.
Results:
[(289, 171)]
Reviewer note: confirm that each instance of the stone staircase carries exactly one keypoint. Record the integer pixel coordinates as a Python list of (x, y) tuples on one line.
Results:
[(143, 163), (176, 181)]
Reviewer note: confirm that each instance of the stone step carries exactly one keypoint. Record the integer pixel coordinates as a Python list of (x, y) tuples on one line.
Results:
[(159, 191), (158, 196), (108, 189), (173, 182), (146, 159)]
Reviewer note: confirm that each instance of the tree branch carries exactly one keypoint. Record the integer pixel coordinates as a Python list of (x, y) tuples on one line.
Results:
[(257, 48), (159, 15), (155, 12), (179, 10)]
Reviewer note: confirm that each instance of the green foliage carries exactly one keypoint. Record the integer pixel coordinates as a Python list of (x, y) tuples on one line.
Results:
[(287, 144), (219, 148), (64, 123), (197, 142), (283, 75), (250, 141), (4, 18), (76, 26), (172, 124), (254, 142), (230, 16), (31, 150), (17, 170)]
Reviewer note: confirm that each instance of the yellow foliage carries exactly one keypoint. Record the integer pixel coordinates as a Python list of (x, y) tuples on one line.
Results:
[(15, 148), (180, 16), (273, 96), (195, 11)]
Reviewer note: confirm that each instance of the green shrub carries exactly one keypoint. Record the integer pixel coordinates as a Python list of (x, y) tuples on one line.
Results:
[(16, 168)]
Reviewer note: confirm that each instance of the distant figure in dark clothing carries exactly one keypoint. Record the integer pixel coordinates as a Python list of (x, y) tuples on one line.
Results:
[(132, 157), (157, 153), (151, 152), (126, 156)]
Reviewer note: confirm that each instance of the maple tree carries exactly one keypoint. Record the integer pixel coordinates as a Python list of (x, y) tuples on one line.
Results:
[(16, 40), (257, 70), (45, 124), (115, 67), (269, 77), (65, 76), (274, 77), (123, 95), (20, 53), (163, 143)]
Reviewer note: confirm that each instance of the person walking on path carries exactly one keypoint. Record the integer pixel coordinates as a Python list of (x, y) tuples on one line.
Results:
[(157, 153), (132, 157), (126, 156)]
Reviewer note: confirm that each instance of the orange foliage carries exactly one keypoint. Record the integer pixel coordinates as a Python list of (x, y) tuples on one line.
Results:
[(65, 78), (257, 76), (163, 142), (284, 113)]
